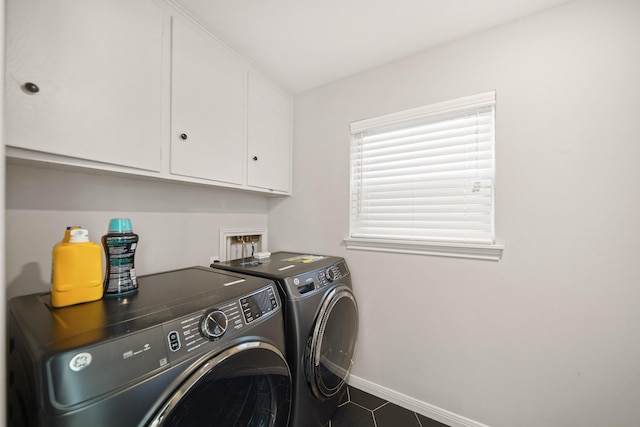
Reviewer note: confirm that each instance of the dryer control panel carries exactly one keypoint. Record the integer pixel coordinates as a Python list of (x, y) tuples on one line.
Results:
[(317, 279), (333, 273)]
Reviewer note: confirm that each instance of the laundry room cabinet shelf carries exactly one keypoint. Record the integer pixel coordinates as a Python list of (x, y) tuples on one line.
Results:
[(208, 89), (78, 89), (141, 88)]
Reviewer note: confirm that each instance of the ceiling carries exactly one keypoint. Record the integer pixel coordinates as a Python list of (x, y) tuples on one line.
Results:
[(303, 44)]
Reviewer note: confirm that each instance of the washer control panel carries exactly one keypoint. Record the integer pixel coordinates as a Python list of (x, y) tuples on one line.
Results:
[(193, 332), (258, 304), (214, 324)]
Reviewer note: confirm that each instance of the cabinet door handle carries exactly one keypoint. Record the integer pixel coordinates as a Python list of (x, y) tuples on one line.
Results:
[(31, 87), (255, 158), (183, 136)]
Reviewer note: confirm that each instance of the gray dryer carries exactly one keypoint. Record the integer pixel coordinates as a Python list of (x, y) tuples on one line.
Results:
[(321, 324)]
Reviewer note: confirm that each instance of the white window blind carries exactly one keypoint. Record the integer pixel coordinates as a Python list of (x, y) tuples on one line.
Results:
[(426, 175)]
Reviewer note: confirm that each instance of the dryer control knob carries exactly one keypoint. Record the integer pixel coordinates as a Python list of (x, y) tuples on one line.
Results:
[(330, 274), (214, 324)]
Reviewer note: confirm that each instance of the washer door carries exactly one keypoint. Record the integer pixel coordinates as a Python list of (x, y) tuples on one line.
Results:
[(245, 386), (331, 347)]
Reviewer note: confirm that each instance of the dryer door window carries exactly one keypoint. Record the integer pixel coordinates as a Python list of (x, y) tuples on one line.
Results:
[(330, 353), (247, 385)]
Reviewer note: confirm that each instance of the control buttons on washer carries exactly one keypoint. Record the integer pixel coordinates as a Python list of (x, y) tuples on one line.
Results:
[(214, 324), (174, 341), (258, 304)]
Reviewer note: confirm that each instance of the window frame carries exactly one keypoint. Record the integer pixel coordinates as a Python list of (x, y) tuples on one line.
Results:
[(483, 251)]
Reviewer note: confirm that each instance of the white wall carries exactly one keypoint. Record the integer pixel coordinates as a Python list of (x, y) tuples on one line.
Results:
[(178, 224), (548, 336)]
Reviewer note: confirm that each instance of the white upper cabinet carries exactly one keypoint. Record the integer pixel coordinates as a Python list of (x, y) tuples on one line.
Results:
[(269, 136), (208, 92), (137, 87), (84, 79)]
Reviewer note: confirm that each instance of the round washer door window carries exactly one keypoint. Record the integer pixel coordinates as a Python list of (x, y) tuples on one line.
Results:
[(333, 343), (248, 385)]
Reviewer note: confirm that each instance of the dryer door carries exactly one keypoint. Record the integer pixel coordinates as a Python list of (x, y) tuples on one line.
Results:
[(247, 385), (331, 347)]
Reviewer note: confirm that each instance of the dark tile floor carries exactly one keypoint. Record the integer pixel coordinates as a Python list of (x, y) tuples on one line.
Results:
[(361, 409)]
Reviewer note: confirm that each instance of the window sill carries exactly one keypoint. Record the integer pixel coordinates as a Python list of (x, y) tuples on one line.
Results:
[(452, 250)]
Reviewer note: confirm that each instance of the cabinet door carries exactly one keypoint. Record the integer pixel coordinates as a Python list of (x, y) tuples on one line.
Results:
[(269, 136), (208, 105), (97, 65)]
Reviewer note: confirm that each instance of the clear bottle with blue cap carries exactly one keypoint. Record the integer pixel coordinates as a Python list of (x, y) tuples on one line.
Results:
[(120, 245)]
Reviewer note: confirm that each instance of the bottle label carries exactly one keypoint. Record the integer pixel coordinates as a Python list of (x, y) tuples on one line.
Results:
[(121, 274)]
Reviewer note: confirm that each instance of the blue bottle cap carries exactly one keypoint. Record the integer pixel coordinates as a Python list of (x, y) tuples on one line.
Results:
[(120, 225)]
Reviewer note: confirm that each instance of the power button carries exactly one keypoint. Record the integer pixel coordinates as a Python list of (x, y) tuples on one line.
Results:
[(174, 341)]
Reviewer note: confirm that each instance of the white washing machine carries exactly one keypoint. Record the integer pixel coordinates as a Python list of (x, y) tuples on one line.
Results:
[(193, 347)]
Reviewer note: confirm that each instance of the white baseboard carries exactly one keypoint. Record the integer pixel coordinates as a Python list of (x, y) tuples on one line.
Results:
[(415, 405)]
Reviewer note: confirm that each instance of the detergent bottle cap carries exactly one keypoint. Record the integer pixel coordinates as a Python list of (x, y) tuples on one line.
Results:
[(120, 225), (79, 235)]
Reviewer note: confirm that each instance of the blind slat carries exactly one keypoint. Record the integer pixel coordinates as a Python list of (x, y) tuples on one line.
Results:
[(466, 144)]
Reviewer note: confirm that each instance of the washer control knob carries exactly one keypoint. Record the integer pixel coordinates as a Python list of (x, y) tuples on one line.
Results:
[(214, 324), (330, 274)]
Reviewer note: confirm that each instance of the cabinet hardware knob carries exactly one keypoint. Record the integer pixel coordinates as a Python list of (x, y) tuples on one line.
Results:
[(255, 158), (183, 136), (31, 87)]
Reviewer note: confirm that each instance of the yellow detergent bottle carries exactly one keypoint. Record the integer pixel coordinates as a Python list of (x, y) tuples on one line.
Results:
[(77, 269)]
